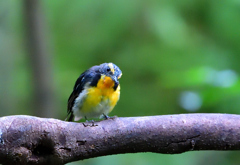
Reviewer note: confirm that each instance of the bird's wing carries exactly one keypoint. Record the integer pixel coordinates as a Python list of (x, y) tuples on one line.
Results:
[(84, 78)]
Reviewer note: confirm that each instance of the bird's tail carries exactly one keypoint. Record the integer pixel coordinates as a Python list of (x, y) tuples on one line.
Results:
[(70, 117)]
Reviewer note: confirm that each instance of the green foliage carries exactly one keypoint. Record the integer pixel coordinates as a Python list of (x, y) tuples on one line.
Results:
[(164, 48)]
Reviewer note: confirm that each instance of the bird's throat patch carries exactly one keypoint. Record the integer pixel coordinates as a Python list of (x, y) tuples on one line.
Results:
[(105, 82)]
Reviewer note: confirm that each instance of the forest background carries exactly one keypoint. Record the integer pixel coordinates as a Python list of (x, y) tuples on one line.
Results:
[(176, 57)]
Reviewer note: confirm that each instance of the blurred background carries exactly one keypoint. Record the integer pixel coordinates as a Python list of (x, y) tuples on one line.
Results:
[(176, 57)]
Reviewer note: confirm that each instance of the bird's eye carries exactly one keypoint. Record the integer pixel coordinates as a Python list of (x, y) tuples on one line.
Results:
[(108, 69)]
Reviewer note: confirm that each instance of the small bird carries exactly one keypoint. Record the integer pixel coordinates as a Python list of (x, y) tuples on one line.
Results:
[(95, 93)]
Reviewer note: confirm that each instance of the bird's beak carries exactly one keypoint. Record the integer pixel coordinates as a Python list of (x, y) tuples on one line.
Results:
[(114, 78), (119, 76)]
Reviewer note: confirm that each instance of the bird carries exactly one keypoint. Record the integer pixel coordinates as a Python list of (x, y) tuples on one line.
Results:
[(95, 93)]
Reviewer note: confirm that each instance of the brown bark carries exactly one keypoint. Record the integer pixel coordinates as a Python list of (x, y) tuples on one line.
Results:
[(33, 140), (38, 49)]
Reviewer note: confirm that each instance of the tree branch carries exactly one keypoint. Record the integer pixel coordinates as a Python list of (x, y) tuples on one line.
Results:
[(33, 140)]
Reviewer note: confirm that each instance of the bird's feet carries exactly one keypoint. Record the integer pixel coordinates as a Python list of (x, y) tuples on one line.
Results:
[(89, 123), (106, 117)]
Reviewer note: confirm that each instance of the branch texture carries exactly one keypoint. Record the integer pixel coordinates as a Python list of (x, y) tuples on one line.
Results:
[(33, 140)]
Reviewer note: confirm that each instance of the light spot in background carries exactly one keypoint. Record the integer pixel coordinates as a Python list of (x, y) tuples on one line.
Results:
[(190, 101), (225, 78)]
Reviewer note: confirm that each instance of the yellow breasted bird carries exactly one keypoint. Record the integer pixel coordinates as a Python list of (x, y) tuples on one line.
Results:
[(95, 93)]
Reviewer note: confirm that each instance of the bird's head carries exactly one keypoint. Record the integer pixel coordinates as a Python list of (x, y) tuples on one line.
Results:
[(111, 70)]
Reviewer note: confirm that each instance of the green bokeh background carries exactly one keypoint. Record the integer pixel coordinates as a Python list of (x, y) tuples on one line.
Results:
[(164, 48)]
